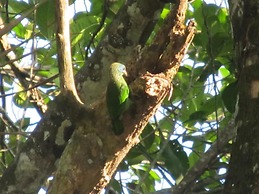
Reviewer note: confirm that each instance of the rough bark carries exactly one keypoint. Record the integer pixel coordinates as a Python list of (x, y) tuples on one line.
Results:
[(243, 173)]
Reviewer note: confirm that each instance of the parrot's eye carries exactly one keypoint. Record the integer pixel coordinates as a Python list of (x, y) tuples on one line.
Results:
[(122, 69)]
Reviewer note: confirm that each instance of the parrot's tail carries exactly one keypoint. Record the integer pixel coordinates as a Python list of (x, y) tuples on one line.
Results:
[(118, 127)]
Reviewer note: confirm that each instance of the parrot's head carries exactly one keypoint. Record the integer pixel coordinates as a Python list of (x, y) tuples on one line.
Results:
[(119, 68)]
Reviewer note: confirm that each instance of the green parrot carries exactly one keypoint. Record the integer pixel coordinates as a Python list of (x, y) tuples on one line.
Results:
[(117, 96)]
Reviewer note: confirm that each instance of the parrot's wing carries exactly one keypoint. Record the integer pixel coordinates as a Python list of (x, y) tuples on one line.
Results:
[(117, 96), (124, 93)]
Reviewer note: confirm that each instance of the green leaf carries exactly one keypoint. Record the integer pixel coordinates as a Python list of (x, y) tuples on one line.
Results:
[(135, 156), (18, 6), (23, 123), (209, 70), (23, 32), (123, 167), (96, 7), (224, 71), (20, 99), (166, 124), (147, 184), (223, 15), (197, 4), (114, 7), (198, 148), (154, 175), (83, 26), (229, 97), (218, 41), (116, 186), (175, 158), (45, 19), (198, 116), (211, 104), (148, 136)]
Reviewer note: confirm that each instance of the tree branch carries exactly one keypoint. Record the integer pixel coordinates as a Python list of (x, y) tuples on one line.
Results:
[(67, 83), (216, 148)]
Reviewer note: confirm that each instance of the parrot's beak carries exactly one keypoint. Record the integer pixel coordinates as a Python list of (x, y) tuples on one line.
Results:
[(125, 73)]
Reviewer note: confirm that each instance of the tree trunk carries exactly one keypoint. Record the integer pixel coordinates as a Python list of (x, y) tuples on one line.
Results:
[(243, 174)]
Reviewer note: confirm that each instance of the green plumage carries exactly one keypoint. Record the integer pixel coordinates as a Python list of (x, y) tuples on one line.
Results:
[(117, 96)]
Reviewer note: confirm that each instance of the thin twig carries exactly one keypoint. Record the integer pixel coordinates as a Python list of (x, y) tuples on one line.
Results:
[(32, 87)]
